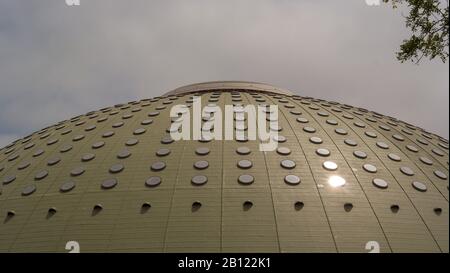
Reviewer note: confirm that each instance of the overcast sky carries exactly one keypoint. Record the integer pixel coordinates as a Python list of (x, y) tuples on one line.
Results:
[(58, 61)]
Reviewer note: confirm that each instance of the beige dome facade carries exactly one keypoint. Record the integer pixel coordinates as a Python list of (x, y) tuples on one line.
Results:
[(343, 179)]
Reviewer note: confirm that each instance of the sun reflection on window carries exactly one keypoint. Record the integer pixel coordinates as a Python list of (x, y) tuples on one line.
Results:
[(336, 181)]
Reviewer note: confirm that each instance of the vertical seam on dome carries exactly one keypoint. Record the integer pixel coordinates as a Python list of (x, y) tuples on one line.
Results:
[(66, 224), (172, 197), (25, 223), (136, 121), (222, 100), (312, 175), (271, 191)]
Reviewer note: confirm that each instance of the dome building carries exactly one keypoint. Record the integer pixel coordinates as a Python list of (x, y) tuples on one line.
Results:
[(342, 179)]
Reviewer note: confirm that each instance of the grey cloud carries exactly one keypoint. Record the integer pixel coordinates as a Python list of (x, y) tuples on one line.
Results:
[(59, 61)]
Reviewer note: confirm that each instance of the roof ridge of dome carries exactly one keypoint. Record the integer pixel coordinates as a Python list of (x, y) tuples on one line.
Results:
[(218, 85)]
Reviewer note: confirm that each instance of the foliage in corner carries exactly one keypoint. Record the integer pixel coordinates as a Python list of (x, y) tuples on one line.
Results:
[(428, 21)]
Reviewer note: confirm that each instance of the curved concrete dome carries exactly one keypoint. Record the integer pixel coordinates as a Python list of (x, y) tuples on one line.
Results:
[(343, 179)]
